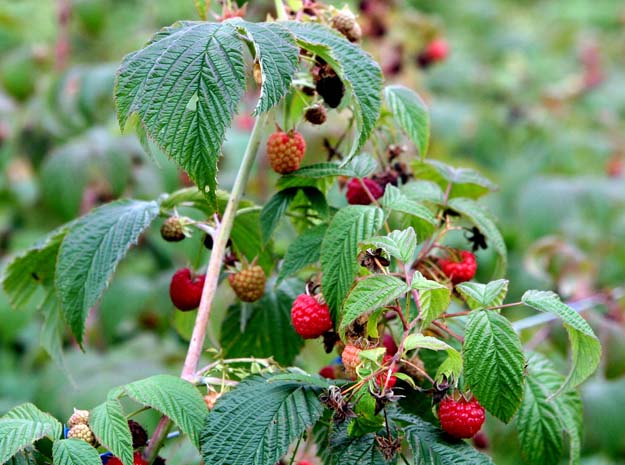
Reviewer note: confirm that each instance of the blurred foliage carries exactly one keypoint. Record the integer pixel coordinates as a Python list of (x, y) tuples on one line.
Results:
[(531, 96)]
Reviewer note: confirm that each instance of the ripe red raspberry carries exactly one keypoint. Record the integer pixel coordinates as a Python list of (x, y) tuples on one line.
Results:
[(356, 194), (248, 284), (185, 289), (381, 378), (328, 372), (389, 343), (461, 418), (459, 271), (350, 359), (285, 151), (309, 317), (437, 50), (304, 462)]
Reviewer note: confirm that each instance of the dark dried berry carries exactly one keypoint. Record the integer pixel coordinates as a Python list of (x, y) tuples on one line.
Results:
[(316, 114), (173, 230), (138, 433), (331, 90), (208, 241)]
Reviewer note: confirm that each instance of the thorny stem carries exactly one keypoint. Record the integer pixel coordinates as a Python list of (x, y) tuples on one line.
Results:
[(215, 264)]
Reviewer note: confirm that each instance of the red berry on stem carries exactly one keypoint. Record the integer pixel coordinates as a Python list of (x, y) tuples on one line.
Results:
[(309, 317), (185, 289), (357, 195), (459, 271), (389, 343), (461, 418), (328, 371), (285, 151), (381, 378)]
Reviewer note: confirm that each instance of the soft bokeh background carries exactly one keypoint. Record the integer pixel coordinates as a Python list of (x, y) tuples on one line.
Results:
[(532, 95)]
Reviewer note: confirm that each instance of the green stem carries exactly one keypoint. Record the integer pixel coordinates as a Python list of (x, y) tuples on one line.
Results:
[(217, 256), (215, 264), (280, 11)]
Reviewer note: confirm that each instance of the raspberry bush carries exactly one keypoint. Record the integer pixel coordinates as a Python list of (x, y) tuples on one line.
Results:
[(387, 240)]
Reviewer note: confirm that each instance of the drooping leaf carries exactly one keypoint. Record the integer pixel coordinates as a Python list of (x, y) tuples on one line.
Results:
[(278, 57), (255, 423), (420, 191), (339, 250), (17, 434), (173, 397), (29, 411), (429, 445), (201, 64), (303, 251), (90, 252), (399, 244), (74, 452), (360, 74), (369, 294), (411, 114), (52, 330), (494, 363), (362, 165), (451, 368), (263, 328), (273, 211), (110, 427), (247, 239), (434, 298), (484, 221), (542, 419), (585, 347), (479, 295), (465, 182), (32, 268), (393, 199)]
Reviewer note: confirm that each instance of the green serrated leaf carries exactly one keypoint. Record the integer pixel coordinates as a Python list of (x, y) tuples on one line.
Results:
[(362, 165), (278, 57), (479, 295), (322, 170), (74, 452), (303, 251), (393, 199), (52, 331), (411, 114), (360, 450), (585, 347), (484, 221), (451, 368), (494, 363), (202, 65), (369, 294), (174, 397), (399, 244), (29, 411), (339, 250), (360, 74), (273, 211), (420, 191), (256, 422), (434, 298), (247, 240), (17, 434), (541, 419), (465, 182), (110, 427), (268, 331), (90, 252), (33, 268), (429, 445)]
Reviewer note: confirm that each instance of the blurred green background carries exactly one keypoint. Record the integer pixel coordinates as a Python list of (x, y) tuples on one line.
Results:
[(532, 95)]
